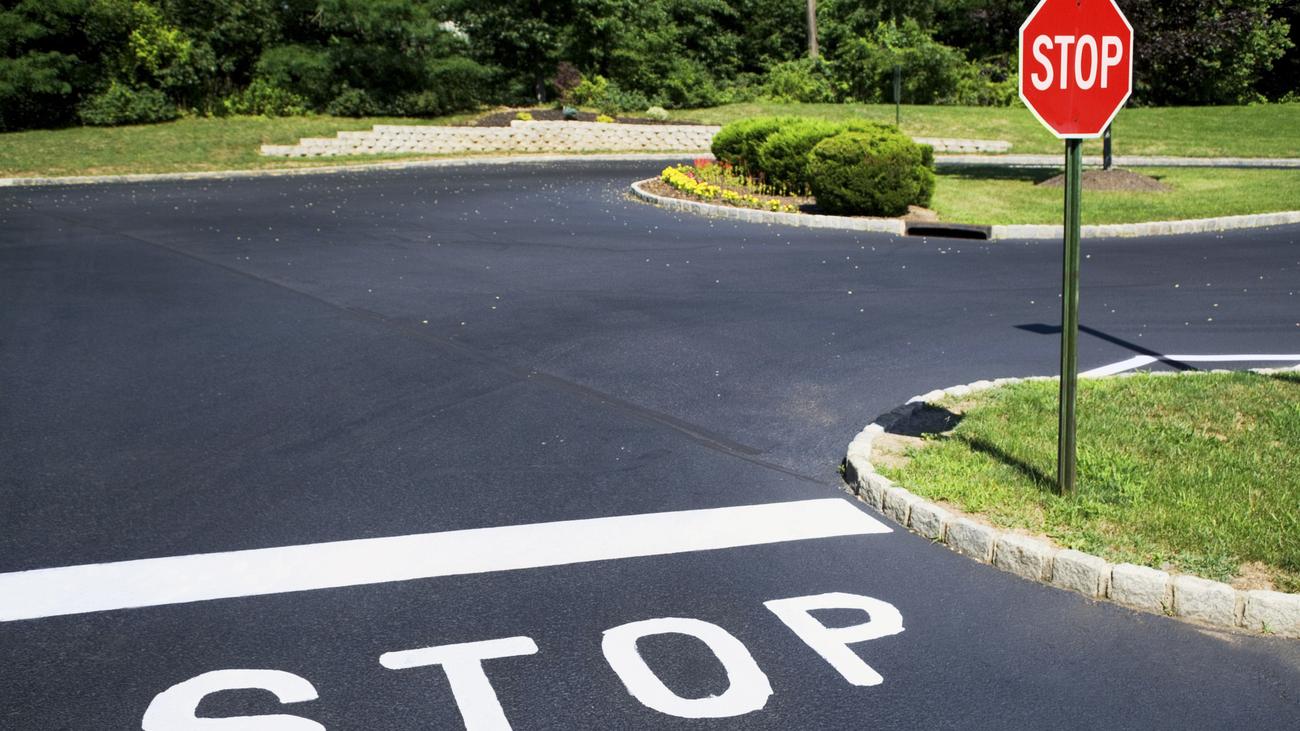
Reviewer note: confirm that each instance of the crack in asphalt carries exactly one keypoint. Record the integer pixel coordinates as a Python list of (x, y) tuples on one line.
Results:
[(704, 437)]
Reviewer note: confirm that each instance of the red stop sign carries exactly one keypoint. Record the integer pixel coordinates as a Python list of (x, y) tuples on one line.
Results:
[(1076, 65)]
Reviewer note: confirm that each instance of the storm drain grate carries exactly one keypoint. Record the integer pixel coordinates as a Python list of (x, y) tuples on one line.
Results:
[(949, 230)]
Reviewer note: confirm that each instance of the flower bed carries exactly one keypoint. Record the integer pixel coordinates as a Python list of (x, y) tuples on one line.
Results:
[(719, 183)]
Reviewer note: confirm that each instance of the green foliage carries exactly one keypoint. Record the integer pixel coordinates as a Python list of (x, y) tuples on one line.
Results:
[(607, 96), (458, 83), (370, 56), (302, 69), (1205, 51), (782, 158), (737, 143), (776, 149), (870, 173), (590, 90), (805, 80), (35, 89), (264, 98), (931, 73), (120, 104), (657, 113), (353, 103)]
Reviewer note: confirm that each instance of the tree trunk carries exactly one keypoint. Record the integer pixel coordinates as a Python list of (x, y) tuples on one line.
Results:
[(812, 29)]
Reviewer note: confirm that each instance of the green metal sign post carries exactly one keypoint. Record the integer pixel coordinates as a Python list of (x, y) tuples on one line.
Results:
[(1065, 444), (1075, 92)]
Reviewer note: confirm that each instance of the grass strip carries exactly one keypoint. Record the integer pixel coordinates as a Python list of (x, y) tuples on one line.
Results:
[(1197, 473), (1263, 130), (186, 145), (1010, 195)]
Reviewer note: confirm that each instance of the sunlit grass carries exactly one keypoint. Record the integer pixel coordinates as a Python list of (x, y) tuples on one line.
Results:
[(1005, 196), (1265, 130), (186, 145), (1199, 472)]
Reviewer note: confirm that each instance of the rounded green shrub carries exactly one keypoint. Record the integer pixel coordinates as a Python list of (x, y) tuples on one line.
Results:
[(121, 104), (783, 156), (738, 142), (265, 98), (870, 173), (353, 103)]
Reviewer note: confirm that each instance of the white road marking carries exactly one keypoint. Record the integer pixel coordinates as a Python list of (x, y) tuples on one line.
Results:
[(200, 577), (1138, 361)]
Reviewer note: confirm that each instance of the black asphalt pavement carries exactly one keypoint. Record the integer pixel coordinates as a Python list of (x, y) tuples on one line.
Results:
[(195, 367)]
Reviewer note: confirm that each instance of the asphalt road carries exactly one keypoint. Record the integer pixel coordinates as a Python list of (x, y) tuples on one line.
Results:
[(189, 368)]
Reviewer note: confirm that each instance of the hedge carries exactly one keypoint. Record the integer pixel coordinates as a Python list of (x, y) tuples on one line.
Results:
[(871, 173)]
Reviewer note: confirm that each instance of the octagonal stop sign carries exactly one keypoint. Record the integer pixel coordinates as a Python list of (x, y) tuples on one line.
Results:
[(1076, 65)]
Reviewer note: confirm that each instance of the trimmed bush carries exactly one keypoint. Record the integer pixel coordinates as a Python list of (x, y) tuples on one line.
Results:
[(121, 104), (738, 142), (783, 157), (657, 113), (870, 173), (458, 84)]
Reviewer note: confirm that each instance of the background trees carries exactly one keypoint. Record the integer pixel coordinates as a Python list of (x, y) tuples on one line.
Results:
[(120, 61)]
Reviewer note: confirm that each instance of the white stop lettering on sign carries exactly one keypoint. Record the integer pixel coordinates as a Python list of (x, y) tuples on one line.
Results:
[(1084, 62)]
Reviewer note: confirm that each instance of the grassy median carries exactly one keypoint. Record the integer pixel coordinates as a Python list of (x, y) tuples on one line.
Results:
[(1011, 195), (1264, 130), (1197, 473)]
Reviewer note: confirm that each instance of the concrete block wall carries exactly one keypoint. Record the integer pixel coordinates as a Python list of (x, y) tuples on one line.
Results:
[(523, 136), (518, 137)]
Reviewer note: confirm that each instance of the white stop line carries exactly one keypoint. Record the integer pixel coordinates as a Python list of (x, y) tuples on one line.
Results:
[(199, 577), (1138, 361)]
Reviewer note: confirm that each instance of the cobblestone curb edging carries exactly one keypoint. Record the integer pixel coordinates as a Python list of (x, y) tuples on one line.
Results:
[(1018, 231), (1184, 597), (445, 162), (1152, 228), (1128, 161), (882, 225)]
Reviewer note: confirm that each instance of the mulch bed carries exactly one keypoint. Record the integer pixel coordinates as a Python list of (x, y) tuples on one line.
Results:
[(504, 117), (1114, 180)]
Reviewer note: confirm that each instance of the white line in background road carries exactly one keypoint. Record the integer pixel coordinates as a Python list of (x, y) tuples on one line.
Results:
[(1138, 361), (199, 577)]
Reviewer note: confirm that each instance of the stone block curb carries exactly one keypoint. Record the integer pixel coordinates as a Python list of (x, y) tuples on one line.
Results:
[(1018, 232), (1140, 587), (749, 215), (1184, 597)]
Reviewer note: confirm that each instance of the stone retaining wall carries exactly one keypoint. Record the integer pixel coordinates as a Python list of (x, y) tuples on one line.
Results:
[(522, 136)]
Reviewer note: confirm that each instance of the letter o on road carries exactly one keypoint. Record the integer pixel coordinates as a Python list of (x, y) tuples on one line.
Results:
[(748, 688)]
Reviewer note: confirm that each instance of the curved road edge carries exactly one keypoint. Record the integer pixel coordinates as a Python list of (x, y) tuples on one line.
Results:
[(442, 162), (1181, 596), (1018, 232)]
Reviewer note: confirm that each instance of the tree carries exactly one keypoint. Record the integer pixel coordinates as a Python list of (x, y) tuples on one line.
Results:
[(1204, 51)]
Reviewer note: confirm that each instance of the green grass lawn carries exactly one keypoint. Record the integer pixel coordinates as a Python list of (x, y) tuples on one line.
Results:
[(1271, 130), (186, 145), (1009, 195), (1199, 473)]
